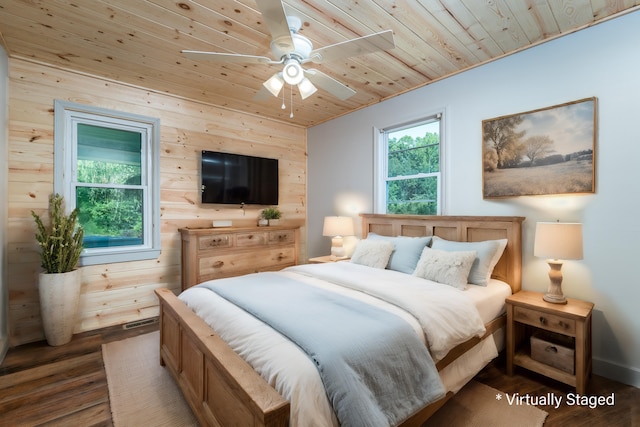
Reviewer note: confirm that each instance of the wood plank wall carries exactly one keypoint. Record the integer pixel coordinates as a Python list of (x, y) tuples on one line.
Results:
[(113, 294)]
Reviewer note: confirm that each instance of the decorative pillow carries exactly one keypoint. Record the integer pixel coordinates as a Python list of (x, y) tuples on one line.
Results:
[(450, 268), (406, 253), (372, 253), (488, 255)]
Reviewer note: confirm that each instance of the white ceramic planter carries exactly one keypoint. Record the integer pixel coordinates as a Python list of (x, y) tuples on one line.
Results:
[(59, 300)]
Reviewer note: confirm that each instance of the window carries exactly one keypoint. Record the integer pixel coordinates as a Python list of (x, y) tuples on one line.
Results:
[(408, 171), (107, 165)]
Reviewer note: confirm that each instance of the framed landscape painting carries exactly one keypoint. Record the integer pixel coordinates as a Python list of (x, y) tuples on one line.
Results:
[(545, 151)]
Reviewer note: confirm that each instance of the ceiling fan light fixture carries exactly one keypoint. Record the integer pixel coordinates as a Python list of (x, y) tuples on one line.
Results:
[(306, 88), (292, 72), (291, 50), (274, 84)]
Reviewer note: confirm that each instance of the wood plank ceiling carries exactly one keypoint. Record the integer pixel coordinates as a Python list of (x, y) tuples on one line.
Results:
[(139, 42)]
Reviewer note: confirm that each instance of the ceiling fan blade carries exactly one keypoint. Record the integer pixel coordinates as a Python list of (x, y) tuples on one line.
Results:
[(367, 44), (329, 84), (276, 20), (228, 57)]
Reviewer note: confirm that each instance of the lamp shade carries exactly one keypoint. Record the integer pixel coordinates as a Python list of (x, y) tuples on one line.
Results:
[(306, 88), (337, 226), (274, 84), (558, 240)]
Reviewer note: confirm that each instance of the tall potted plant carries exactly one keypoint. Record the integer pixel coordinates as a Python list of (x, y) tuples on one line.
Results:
[(60, 242)]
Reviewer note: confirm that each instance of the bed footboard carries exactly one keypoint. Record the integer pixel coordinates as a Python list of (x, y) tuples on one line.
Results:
[(219, 386), (224, 390)]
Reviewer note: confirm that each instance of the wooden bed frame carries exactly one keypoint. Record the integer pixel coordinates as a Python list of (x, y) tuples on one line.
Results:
[(224, 390)]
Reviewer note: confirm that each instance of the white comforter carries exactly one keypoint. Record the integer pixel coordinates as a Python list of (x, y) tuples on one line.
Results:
[(442, 314)]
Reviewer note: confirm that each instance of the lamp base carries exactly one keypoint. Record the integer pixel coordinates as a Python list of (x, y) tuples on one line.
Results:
[(554, 298), (337, 250), (554, 293)]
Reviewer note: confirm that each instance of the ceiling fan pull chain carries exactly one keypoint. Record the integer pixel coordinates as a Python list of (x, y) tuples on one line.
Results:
[(294, 50), (291, 92), (283, 106)]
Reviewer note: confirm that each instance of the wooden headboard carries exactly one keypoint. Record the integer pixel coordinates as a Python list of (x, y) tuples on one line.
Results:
[(461, 229)]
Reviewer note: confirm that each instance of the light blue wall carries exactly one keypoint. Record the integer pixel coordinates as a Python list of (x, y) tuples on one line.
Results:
[(601, 61), (4, 297)]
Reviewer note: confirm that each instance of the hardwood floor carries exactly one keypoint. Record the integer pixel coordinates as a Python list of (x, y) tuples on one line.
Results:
[(624, 413), (59, 386), (67, 386)]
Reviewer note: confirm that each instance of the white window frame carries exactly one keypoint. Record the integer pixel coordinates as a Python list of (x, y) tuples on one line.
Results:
[(381, 157), (67, 116)]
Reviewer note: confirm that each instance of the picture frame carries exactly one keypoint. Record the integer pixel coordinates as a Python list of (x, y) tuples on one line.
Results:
[(545, 151)]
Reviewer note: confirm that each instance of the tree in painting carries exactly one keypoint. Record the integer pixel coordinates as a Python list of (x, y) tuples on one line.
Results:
[(502, 137), (547, 151), (537, 147)]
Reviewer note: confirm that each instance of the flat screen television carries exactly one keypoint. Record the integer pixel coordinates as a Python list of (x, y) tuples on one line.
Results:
[(238, 179)]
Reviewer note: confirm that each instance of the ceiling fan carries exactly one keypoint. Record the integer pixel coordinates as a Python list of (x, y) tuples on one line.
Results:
[(292, 49)]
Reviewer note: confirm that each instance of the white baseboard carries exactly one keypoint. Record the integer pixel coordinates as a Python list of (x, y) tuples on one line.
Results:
[(614, 371)]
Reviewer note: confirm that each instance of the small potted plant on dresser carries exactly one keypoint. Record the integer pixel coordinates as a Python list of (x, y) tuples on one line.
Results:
[(59, 284), (272, 214)]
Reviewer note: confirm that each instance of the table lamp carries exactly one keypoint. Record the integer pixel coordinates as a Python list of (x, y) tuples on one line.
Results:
[(557, 241), (336, 227)]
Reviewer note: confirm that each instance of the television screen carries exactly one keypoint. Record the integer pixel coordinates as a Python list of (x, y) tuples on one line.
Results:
[(238, 179)]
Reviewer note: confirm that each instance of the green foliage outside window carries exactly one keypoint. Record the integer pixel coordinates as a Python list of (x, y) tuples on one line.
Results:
[(110, 211), (409, 189), (109, 195)]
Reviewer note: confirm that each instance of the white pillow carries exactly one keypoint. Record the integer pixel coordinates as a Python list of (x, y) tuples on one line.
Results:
[(372, 253), (449, 268), (488, 255)]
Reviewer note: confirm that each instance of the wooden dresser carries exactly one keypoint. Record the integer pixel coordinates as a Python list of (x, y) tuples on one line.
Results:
[(213, 253)]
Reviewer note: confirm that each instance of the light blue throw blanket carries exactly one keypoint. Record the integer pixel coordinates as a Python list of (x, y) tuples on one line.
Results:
[(375, 369)]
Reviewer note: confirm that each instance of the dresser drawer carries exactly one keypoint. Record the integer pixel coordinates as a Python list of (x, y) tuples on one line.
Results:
[(248, 240), (226, 265), (544, 320), (216, 253), (282, 236), (216, 241)]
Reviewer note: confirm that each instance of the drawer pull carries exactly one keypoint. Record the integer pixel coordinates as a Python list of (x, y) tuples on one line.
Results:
[(218, 242), (551, 349), (217, 264), (542, 320)]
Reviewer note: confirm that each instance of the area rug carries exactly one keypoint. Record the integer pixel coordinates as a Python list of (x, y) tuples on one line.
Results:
[(141, 392), (478, 405)]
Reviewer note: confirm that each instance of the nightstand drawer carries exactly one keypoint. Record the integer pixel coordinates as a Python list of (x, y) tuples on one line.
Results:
[(544, 320)]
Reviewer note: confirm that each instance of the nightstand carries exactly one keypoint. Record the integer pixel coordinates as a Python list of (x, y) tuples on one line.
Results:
[(528, 314), (326, 258)]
